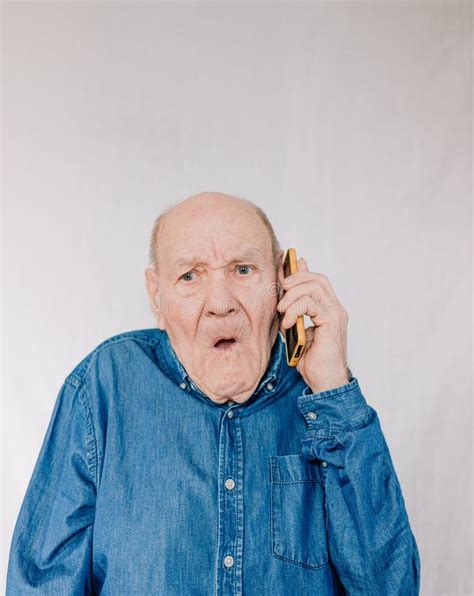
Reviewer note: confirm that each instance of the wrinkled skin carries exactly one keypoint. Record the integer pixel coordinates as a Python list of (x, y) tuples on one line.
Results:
[(194, 303)]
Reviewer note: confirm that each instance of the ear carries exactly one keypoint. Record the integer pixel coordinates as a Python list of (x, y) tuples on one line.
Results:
[(281, 276), (151, 284)]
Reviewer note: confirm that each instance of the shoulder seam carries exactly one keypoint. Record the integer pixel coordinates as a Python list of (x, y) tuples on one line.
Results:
[(80, 392), (78, 382), (91, 436)]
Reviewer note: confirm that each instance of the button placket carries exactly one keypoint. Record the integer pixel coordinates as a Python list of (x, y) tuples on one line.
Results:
[(230, 501)]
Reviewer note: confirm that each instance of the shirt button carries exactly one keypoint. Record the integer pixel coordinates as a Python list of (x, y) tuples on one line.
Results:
[(183, 385), (229, 561), (269, 386), (229, 483), (312, 415), (230, 414), (324, 464)]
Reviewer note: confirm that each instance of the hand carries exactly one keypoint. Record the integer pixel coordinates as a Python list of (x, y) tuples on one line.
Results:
[(324, 361)]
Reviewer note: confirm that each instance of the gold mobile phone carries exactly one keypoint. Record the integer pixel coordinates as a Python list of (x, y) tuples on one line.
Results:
[(295, 336)]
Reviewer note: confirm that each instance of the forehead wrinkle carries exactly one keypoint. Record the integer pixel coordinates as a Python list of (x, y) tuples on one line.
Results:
[(253, 253)]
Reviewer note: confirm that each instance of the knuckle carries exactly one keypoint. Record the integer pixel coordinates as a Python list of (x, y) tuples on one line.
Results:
[(323, 276)]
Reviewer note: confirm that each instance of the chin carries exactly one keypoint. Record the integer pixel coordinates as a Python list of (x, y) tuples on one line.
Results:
[(227, 388)]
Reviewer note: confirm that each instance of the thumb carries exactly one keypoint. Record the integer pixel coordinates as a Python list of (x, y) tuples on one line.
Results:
[(309, 331)]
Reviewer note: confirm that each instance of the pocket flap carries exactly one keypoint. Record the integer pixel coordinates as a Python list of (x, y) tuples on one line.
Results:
[(294, 468)]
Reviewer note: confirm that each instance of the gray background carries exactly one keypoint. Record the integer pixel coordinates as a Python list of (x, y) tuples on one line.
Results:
[(348, 122)]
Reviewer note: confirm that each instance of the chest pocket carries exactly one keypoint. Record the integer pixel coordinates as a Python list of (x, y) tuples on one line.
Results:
[(298, 518)]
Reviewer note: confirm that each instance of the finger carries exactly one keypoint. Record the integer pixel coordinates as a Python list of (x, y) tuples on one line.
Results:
[(301, 276), (306, 305), (302, 265), (311, 288)]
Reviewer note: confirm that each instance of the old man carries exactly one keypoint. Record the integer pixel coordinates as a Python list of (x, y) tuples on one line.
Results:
[(189, 458)]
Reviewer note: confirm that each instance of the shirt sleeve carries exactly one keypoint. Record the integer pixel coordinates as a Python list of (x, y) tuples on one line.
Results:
[(371, 544), (51, 548)]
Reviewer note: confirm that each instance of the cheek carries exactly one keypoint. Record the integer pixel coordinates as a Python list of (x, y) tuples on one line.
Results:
[(261, 304), (181, 312)]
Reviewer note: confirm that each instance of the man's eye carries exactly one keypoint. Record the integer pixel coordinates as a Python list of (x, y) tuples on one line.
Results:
[(187, 273), (244, 267)]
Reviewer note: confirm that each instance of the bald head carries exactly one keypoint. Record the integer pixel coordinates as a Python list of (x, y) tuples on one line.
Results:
[(208, 202)]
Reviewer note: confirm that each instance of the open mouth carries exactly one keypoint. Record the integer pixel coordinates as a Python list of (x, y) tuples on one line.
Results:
[(224, 343)]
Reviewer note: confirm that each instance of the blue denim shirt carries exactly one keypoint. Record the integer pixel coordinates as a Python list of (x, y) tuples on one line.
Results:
[(144, 485)]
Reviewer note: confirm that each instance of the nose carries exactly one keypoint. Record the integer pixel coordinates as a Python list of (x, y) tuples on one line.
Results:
[(220, 299)]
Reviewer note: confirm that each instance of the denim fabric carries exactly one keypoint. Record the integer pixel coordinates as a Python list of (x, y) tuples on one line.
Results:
[(143, 485)]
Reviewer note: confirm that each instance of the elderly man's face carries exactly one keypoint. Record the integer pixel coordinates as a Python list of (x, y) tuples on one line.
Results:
[(216, 278)]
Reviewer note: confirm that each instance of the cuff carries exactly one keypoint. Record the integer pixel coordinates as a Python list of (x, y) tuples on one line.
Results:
[(341, 408)]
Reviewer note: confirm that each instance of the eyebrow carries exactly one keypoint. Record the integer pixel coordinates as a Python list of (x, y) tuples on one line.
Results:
[(250, 254)]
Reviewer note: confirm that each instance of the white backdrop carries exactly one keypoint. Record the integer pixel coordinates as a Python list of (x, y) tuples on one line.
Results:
[(348, 122)]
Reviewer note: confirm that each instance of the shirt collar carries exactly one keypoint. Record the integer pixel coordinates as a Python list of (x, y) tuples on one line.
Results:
[(174, 369)]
